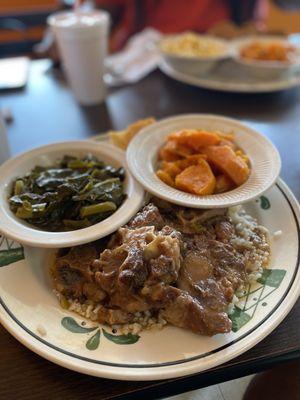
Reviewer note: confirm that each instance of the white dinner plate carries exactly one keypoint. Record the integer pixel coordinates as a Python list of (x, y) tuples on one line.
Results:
[(30, 311), (230, 77)]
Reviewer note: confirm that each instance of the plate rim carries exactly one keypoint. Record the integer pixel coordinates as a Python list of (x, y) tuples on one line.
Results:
[(134, 372), (209, 84)]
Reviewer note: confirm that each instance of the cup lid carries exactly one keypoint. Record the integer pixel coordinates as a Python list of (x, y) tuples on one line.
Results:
[(78, 20)]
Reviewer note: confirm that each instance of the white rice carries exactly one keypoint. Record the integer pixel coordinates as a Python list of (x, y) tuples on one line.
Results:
[(252, 240), (142, 321)]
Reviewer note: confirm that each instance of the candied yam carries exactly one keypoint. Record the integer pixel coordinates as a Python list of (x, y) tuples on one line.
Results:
[(228, 162), (226, 136), (171, 168), (197, 179), (241, 154), (223, 184), (226, 142), (190, 160), (196, 157), (184, 163), (165, 177), (195, 138), (166, 153), (180, 149)]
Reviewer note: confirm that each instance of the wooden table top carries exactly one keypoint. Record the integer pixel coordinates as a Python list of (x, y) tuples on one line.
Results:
[(45, 112)]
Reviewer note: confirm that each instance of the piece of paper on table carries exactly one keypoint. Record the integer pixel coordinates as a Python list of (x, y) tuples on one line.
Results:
[(139, 57)]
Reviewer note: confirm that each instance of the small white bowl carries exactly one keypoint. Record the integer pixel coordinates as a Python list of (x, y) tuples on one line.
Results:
[(27, 234), (263, 69), (196, 65), (264, 159)]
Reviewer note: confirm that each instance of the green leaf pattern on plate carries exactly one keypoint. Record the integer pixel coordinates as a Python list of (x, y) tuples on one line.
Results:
[(121, 339), (265, 203), (93, 342), (11, 255), (71, 325), (239, 318), (10, 251), (272, 277)]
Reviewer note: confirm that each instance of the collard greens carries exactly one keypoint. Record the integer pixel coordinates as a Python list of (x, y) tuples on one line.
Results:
[(74, 193)]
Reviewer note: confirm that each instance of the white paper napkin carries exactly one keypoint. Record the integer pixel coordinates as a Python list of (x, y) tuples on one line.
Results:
[(139, 57)]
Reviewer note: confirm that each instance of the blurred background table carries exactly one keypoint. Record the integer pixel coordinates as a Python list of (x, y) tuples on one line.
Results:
[(45, 112)]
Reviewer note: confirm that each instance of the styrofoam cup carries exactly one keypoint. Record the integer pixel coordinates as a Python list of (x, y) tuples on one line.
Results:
[(82, 41)]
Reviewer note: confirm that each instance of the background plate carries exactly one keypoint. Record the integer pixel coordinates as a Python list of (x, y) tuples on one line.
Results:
[(229, 77)]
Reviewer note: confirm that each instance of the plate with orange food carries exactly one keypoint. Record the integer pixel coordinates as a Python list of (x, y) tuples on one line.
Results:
[(203, 161)]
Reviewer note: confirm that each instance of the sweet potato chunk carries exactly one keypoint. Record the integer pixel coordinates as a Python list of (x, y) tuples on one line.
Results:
[(190, 160), (165, 177), (181, 149), (195, 138), (226, 136), (223, 184), (226, 142), (171, 168), (197, 179), (196, 157), (241, 154), (228, 162), (166, 153), (172, 151)]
